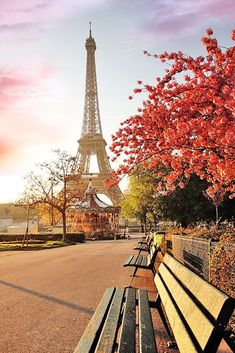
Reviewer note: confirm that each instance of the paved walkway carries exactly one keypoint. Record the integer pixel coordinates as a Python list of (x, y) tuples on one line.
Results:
[(48, 297)]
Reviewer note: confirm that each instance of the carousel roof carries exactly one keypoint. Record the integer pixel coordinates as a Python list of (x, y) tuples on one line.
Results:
[(91, 202)]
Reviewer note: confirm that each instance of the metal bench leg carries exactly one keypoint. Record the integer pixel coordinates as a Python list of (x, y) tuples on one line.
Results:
[(135, 272), (129, 285), (132, 276)]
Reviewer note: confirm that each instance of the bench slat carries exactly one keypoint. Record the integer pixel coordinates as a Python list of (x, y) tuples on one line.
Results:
[(142, 247), (133, 261), (128, 260), (214, 299), (144, 261), (108, 334), (146, 240), (195, 309), (127, 340), (182, 337), (201, 327), (93, 329), (148, 260), (147, 337), (139, 261)]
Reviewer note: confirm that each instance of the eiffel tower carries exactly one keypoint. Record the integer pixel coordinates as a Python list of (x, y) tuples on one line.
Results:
[(91, 141)]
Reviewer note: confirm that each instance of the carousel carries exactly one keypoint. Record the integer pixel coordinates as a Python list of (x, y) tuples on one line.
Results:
[(93, 216)]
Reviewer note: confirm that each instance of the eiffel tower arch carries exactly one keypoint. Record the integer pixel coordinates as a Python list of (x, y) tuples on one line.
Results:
[(91, 142)]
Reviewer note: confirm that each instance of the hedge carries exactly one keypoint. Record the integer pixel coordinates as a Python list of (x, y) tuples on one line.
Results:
[(76, 237)]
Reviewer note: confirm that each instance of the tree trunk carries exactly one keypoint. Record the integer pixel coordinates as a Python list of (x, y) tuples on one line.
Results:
[(64, 226), (216, 214), (64, 210), (26, 234), (155, 221), (184, 222), (145, 229)]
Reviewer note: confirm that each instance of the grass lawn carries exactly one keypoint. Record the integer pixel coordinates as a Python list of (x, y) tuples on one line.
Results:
[(7, 246)]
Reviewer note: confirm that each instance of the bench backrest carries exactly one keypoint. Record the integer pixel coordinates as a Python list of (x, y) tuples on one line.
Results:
[(152, 254), (195, 309), (157, 237), (149, 240)]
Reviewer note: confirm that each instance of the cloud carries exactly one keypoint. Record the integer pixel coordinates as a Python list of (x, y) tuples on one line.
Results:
[(220, 9), (11, 84), (15, 27), (20, 15), (15, 84), (172, 17)]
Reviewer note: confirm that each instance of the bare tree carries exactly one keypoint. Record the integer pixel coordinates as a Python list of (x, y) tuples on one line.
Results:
[(56, 184), (28, 202)]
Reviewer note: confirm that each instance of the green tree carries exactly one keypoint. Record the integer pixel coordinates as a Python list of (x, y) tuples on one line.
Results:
[(141, 198), (186, 206), (189, 205)]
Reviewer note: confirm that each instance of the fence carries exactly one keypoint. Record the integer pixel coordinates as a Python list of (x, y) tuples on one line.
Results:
[(193, 252)]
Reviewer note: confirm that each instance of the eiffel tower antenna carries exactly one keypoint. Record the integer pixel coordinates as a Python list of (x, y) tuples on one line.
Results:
[(90, 29), (91, 141)]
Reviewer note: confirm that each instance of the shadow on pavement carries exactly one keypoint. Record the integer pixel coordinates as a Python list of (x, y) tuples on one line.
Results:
[(48, 297)]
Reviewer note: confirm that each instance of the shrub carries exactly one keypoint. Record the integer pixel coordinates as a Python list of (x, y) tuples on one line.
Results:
[(75, 237)]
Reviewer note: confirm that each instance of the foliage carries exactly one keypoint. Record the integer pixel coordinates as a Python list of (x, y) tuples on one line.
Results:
[(222, 262), (204, 230), (132, 205), (48, 215), (223, 267), (74, 237), (140, 200), (187, 122), (17, 213), (188, 205)]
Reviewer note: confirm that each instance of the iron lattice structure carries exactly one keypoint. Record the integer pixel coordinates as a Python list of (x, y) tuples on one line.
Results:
[(91, 141)]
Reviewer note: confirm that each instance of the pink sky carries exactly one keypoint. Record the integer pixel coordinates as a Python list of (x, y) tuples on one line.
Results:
[(166, 15), (181, 17), (20, 131), (17, 13)]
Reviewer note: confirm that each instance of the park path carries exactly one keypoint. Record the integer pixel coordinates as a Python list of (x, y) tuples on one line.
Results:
[(48, 297)]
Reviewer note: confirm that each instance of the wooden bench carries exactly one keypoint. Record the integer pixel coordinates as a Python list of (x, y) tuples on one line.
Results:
[(145, 239), (144, 246), (114, 327), (196, 310), (145, 262), (155, 238)]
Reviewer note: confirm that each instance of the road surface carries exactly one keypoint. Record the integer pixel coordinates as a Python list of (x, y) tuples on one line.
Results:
[(47, 297)]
